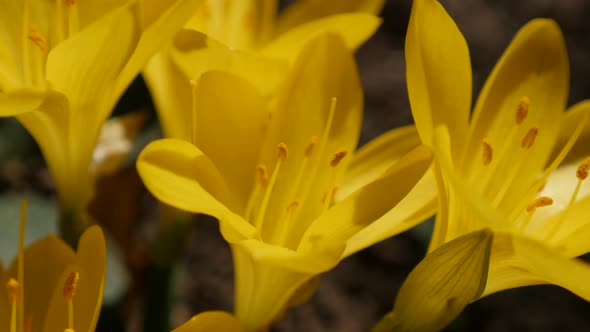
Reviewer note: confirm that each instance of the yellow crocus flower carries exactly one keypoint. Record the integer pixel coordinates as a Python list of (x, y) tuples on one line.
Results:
[(250, 39), (64, 65), (503, 169), (211, 321), (51, 287), (279, 180)]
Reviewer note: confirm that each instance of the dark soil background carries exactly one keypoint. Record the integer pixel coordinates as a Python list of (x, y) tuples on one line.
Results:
[(363, 287)]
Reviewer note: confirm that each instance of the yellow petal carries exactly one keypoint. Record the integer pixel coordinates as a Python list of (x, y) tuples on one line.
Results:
[(375, 157), (438, 71), (10, 39), (19, 101), (211, 321), (418, 205), (369, 203), (230, 126), (180, 175), (443, 283), (90, 11), (236, 24), (85, 66), (196, 53), (535, 66), (573, 117), (267, 13), (160, 26), (44, 262), (172, 95), (354, 28), (306, 261), (91, 260), (324, 70), (302, 12), (90, 264), (12, 36), (263, 289), (517, 261), (49, 125)]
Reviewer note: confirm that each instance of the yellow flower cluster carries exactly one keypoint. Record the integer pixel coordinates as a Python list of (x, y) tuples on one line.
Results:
[(50, 287), (262, 114)]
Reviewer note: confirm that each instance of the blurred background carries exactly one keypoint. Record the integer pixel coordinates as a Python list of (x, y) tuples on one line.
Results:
[(362, 288)]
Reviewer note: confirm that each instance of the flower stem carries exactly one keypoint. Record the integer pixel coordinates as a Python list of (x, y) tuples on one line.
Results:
[(172, 237), (72, 224)]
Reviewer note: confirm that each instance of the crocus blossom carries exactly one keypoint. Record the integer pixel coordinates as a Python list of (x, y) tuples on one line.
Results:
[(271, 177)]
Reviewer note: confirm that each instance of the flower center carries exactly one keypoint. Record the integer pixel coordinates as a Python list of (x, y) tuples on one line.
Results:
[(492, 162), (298, 189), (581, 174)]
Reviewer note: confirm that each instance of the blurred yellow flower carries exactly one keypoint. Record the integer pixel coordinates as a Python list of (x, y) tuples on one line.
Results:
[(50, 287), (211, 321), (504, 169), (249, 39), (64, 65), (285, 184)]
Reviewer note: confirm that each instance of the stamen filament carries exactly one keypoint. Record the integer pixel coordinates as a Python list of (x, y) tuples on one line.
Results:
[(261, 182), (526, 144), (70, 288), (12, 288), (73, 20), (328, 198), (564, 214), (70, 314), (326, 132), (322, 146), (482, 180), (285, 226), (303, 167), (59, 20), (581, 174), (25, 41), (282, 156), (37, 65)]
